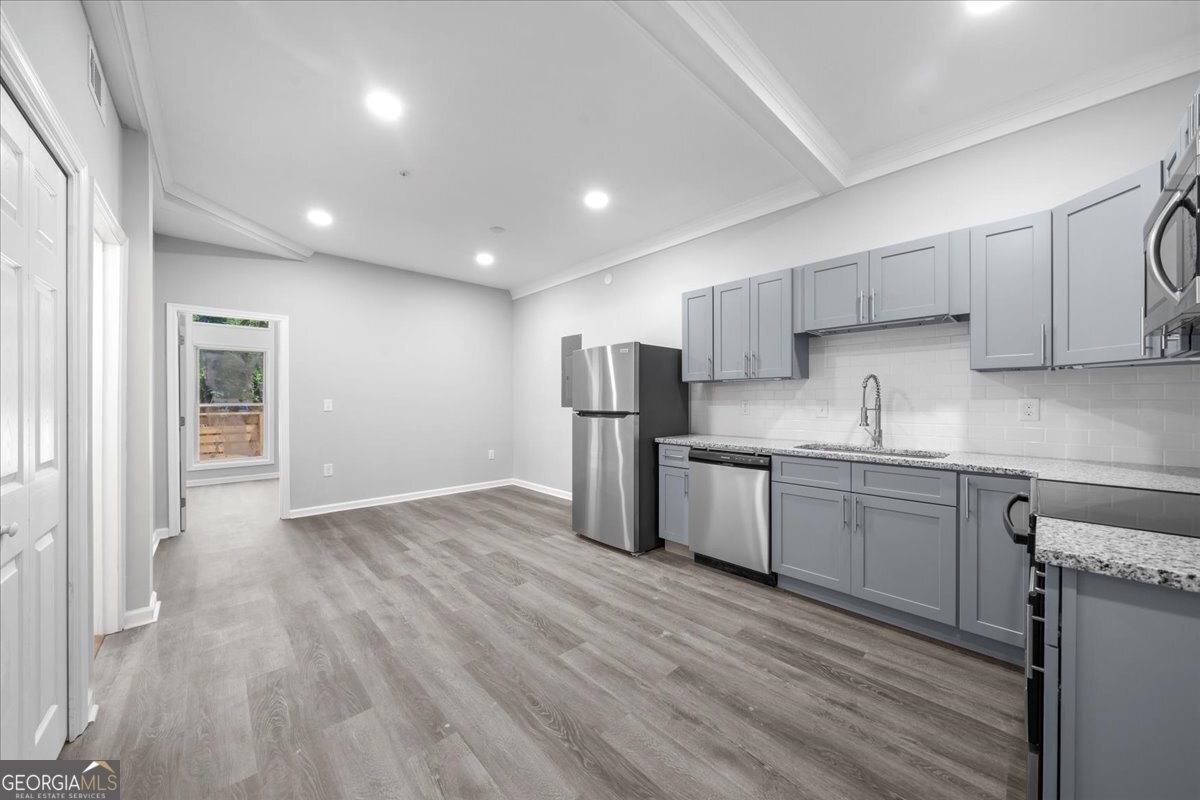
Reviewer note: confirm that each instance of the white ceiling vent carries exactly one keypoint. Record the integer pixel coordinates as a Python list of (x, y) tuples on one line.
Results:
[(95, 79)]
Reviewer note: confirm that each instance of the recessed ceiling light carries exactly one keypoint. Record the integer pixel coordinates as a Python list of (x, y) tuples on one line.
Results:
[(496, 229), (320, 217), (595, 199), (384, 105), (485, 259), (981, 7)]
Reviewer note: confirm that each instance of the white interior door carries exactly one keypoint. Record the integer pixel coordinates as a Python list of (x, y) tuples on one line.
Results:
[(33, 393)]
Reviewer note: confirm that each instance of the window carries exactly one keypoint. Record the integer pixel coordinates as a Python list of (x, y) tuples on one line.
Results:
[(231, 405), (245, 323)]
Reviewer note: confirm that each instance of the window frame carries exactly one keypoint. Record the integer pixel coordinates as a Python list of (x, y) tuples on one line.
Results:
[(193, 390)]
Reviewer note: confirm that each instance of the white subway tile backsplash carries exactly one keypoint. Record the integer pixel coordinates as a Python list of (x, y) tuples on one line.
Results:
[(932, 399)]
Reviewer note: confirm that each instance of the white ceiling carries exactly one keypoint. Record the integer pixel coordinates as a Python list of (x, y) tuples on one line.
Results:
[(692, 115)]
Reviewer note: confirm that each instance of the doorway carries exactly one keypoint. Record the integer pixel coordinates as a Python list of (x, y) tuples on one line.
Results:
[(227, 402), (108, 418)]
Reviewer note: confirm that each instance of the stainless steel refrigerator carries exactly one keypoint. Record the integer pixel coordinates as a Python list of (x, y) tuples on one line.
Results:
[(623, 396)]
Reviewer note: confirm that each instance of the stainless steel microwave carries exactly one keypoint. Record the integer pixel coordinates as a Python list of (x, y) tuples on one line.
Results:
[(1172, 310)]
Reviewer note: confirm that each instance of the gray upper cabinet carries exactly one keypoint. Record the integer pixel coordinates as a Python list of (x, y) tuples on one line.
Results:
[(905, 556), (1010, 293), (1099, 271), (771, 325), (834, 291), (731, 330), (993, 571), (909, 281), (810, 535), (673, 504), (698, 335)]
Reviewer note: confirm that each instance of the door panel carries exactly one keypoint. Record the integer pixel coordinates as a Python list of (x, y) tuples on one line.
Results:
[(1099, 269), (833, 292), (33, 592), (673, 504), (771, 325), (605, 378), (731, 330), (905, 556), (993, 570), (604, 478), (910, 280), (810, 535), (1010, 293), (698, 335)]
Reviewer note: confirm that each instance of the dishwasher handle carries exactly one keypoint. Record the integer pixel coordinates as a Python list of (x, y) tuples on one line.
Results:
[(730, 458)]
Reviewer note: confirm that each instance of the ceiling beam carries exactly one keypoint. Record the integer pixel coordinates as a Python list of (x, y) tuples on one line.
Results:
[(703, 37)]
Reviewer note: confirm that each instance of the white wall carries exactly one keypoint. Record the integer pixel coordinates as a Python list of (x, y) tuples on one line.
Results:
[(55, 37), (419, 368), (1017, 174)]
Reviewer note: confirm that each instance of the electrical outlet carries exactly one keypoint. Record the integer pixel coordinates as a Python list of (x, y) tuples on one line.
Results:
[(1031, 409), (328, 405), (822, 409), (327, 471), (746, 407), (491, 455)]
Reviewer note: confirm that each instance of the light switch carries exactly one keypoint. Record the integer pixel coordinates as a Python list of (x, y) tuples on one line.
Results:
[(491, 455), (328, 471), (328, 405)]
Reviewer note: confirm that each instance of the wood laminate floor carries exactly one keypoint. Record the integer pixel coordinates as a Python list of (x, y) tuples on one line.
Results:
[(471, 646)]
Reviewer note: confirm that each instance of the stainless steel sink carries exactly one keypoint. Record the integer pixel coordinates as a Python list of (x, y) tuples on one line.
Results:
[(882, 451)]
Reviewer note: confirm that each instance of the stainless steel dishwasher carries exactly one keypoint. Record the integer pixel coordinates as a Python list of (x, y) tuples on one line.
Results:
[(729, 512)]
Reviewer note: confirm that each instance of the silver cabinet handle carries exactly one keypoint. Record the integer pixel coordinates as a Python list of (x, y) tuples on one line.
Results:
[(754, 363), (967, 488), (871, 306), (710, 366), (10, 530), (860, 306), (746, 356), (845, 511), (857, 513), (685, 484), (1043, 343), (1154, 240)]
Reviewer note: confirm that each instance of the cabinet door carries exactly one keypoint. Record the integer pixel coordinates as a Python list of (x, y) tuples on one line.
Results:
[(993, 571), (731, 330), (834, 292), (1010, 293), (771, 325), (698, 335), (673, 504), (810, 535), (904, 556), (910, 280), (1099, 271)]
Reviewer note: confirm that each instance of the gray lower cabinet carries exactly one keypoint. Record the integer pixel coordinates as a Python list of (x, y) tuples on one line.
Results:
[(810, 535), (993, 571), (1129, 691), (834, 292), (673, 504), (698, 335), (905, 556), (1099, 271), (910, 280), (731, 331), (771, 353), (1010, 293)]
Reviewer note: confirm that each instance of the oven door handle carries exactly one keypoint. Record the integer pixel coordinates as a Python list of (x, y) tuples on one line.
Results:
[(1018, 537), (1178, 199)]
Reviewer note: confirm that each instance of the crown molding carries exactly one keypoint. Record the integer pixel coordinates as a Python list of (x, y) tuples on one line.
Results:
[(755, 207), (136, 67), (27, 89), (1093, 90)]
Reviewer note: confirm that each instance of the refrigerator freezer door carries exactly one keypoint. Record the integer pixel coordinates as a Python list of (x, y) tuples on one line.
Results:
[(605, 378), (604, 502)]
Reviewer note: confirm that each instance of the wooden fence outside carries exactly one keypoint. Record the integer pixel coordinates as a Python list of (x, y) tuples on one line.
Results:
[(230, 431)]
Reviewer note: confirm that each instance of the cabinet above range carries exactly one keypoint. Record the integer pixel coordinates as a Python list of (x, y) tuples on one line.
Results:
[(742, 330)]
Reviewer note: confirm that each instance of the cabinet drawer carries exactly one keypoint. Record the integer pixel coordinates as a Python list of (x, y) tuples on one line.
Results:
[(820, 472), (673, 455), (906, 483)]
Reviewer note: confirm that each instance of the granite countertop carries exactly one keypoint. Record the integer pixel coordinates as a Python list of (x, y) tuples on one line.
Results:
[(1132, 476), (1162, 559)]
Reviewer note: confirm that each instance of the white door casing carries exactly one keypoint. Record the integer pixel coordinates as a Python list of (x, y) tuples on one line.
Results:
[(33, 410)]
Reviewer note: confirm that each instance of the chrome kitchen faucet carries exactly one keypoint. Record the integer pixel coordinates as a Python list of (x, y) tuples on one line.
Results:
[(877, 431)]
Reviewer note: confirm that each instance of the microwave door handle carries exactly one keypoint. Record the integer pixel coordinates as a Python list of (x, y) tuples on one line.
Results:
[(1178, 199)]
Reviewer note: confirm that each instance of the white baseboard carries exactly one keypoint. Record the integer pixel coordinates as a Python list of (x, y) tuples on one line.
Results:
[(159, 535), (562, 494), (312, 511), (137, 617), (270, 476)]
